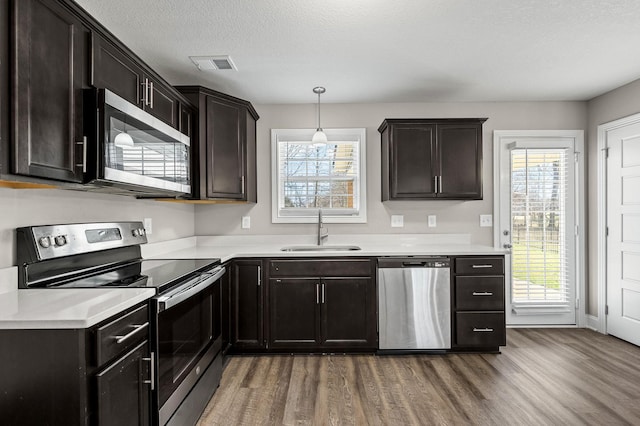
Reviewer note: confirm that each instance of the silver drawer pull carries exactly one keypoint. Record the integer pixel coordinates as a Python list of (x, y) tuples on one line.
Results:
[(151, 380), (482, 330), (482, 293), (136, 328), (481, 266)]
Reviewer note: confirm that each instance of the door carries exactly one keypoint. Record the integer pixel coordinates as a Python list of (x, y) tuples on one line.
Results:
[(460, 160), (348, 312), (538, 220), (623, 241), (295, 311), (247, 331), (413, 161), (225, 165), (50, 57), (123, 390)]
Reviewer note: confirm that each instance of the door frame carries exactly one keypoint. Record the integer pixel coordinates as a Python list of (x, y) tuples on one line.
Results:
[(600, 323), (581, 205)]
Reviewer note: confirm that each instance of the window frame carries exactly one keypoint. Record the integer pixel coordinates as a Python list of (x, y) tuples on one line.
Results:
[(346, 134)]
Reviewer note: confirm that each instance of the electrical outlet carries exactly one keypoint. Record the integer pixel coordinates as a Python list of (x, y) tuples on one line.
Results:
[(486, 220), (397, 221), (246, 222), (431, 221), (148, 225)]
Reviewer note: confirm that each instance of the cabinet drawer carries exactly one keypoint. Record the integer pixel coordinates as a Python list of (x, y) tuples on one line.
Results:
[(480, 293), (480, 265), (480, 329), (121, 334), (320, 268)]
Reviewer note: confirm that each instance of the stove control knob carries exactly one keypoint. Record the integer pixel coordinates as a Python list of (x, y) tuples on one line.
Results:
[(141, 231), (44, 242), (135, 232), (60, 240)]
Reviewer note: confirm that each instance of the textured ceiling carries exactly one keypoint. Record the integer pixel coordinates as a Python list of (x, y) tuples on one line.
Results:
[(366, 51)]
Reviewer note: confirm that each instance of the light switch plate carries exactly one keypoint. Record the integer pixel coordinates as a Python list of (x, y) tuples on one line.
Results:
[(397, 221), (246, 222), (148, 225), (486, 220), (431, 221)]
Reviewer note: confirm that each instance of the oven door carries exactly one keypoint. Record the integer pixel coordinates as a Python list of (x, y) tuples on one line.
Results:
[(186, 325)]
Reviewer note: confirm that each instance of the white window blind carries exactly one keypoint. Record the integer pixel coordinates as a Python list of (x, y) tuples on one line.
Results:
[(539, 199), (310, 176)]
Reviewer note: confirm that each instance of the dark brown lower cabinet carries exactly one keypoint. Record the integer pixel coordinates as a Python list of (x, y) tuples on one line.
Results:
[(478, 303), (247, 302), (123, 395), (322, 313), (68, 377)]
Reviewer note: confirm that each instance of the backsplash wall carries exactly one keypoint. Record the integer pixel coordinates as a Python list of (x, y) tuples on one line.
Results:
[(25, 207), (452, 216)]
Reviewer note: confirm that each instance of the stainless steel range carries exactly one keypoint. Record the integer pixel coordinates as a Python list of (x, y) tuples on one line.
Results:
[(185, 314)]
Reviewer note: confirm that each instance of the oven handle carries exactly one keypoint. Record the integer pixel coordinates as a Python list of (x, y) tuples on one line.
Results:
[(184, 292)]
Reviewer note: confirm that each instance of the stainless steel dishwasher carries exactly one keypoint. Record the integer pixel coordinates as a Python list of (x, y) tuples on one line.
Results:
[(414, 303)]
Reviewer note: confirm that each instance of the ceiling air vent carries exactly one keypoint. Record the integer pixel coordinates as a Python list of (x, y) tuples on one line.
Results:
[(211, 63)]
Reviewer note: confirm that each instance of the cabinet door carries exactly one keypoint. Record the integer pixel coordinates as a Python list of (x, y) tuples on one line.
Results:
[(160, 102), (122, 394), (186, 122), (348, 313), (294, 313), (50, 69), (115, 71), (225, 164), (247, 305), (250, 160), (412, 161), (460, 149)]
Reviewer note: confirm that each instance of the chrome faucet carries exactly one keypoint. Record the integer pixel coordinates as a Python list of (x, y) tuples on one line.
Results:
[(323, 233)]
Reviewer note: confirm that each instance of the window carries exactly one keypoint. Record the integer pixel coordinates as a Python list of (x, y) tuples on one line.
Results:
[(307, 177)]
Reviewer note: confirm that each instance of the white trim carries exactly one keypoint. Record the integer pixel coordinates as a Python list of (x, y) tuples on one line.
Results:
[(333, 134), (600, 323), (593, 323), (580, 211)]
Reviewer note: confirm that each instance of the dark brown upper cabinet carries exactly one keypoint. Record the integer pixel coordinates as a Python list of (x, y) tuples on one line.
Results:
[(119, 72), (425, 159), (50, 57), (224, 146)]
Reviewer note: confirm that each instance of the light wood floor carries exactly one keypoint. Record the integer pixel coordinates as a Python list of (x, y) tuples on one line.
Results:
[(542, 377)]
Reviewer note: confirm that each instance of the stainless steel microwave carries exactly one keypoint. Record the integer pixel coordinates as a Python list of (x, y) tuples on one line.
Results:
[(129, 151)]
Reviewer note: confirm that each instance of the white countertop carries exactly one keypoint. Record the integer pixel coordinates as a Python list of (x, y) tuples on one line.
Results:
[(82, 308), (229, 247), (66, 308)]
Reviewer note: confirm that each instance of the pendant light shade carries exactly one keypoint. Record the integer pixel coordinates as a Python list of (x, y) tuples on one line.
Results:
[(123, 140), (319, 136)]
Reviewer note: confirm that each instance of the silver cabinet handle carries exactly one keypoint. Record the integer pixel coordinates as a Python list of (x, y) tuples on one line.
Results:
[(440, 190), (317, 293), (259, 276), (84, 154), (323, 286), (151, 371), (151, 94), (481, 266), (145, 92), (435, 184), (482, 293), (242, 190), (136, 329), (482, 330)]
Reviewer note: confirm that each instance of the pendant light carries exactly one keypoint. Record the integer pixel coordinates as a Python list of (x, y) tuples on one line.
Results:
[(123, 140), (319, 136)]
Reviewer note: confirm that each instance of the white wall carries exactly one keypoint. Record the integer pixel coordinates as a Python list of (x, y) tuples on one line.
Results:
[(24, 207), (618, 103), (452, 216)]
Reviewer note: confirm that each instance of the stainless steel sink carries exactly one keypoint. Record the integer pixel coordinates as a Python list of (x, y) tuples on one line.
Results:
[(321, 248)]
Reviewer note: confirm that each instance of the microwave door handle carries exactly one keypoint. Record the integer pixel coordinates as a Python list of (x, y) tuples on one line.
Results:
[(171, 300)]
